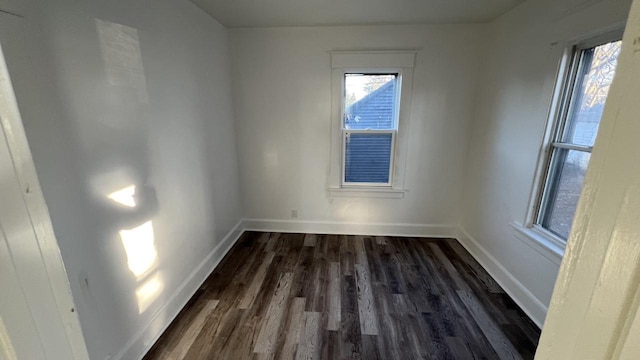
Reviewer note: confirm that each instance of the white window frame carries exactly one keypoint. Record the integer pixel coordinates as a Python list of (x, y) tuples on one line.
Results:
[(370, 62), (544, 239), (393, 132)]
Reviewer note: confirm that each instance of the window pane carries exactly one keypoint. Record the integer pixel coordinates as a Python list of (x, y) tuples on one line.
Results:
[(370, 101), (367, 158), (597, 70), (564, 190)]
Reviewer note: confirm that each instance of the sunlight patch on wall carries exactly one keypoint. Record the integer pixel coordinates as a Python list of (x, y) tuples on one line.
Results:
[(140, 248), (355, 211), (124, 196), (139, 244), (122, 57), (148, 292)]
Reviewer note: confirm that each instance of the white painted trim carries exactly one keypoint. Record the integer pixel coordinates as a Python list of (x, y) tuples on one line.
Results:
[(386, 193), (144, 339), (542, 161), (394, 132), (335, 174), (531, 305), (46, 287), (348, 228), (539, 242)]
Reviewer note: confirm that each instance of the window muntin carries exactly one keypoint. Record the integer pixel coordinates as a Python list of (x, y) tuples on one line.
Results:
[(369, 127), (591, 74)]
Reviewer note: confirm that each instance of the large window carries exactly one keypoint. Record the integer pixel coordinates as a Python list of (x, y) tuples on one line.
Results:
[(370, 122), (577, 119)]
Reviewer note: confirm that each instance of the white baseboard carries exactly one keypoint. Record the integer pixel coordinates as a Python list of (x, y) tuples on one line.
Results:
[(345, 228), (144, 340), (530, 304)]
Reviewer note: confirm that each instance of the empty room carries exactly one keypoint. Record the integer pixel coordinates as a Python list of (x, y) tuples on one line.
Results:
[(319, 179)]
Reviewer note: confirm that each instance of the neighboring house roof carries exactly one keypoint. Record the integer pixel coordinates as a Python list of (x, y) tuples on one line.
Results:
[(374, 111)]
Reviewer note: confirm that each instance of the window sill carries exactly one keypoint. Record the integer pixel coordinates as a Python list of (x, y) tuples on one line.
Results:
[(385, 193), (539, 241)]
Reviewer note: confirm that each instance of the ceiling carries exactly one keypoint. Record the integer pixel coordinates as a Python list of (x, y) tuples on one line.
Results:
[(259, 13)]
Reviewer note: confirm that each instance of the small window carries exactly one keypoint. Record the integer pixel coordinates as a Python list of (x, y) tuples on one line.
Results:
[(369, 126), (576, 126), (370, 118)]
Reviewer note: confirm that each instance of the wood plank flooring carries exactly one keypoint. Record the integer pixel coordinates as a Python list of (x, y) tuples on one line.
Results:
[(296, 296)]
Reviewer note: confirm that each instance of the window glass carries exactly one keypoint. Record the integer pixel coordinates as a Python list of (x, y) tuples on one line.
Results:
[(571, 167), (599, 66), (367, 157), (370, 101), (571, 148)]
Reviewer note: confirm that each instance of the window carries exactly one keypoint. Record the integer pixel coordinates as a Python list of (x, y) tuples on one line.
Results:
[(371, 94), (591, 70), (370, 122)]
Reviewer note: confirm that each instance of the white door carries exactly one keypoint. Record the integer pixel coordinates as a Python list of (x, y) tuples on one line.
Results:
[(37, 315), (594, 311)]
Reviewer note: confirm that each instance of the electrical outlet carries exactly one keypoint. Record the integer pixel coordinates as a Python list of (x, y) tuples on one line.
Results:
[(294, 214)]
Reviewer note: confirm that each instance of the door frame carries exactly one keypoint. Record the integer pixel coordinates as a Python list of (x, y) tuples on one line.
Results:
[(44, 281)]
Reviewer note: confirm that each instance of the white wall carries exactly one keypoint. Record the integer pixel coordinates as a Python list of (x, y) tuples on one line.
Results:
[(282, 102), (515, 94), (106, 106)]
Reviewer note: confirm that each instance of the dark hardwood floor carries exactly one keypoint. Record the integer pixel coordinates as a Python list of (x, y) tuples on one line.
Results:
[(295, 296)]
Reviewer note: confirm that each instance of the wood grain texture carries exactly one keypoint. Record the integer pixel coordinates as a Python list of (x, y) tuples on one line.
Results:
[(193, 330), (270, 328), (294, 327), (294, 296), (333, 296), (503, 347), (309, 347), (368, 322), (252, 291), (310, 240), (361, 255), (477, 270), (350, 336)]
